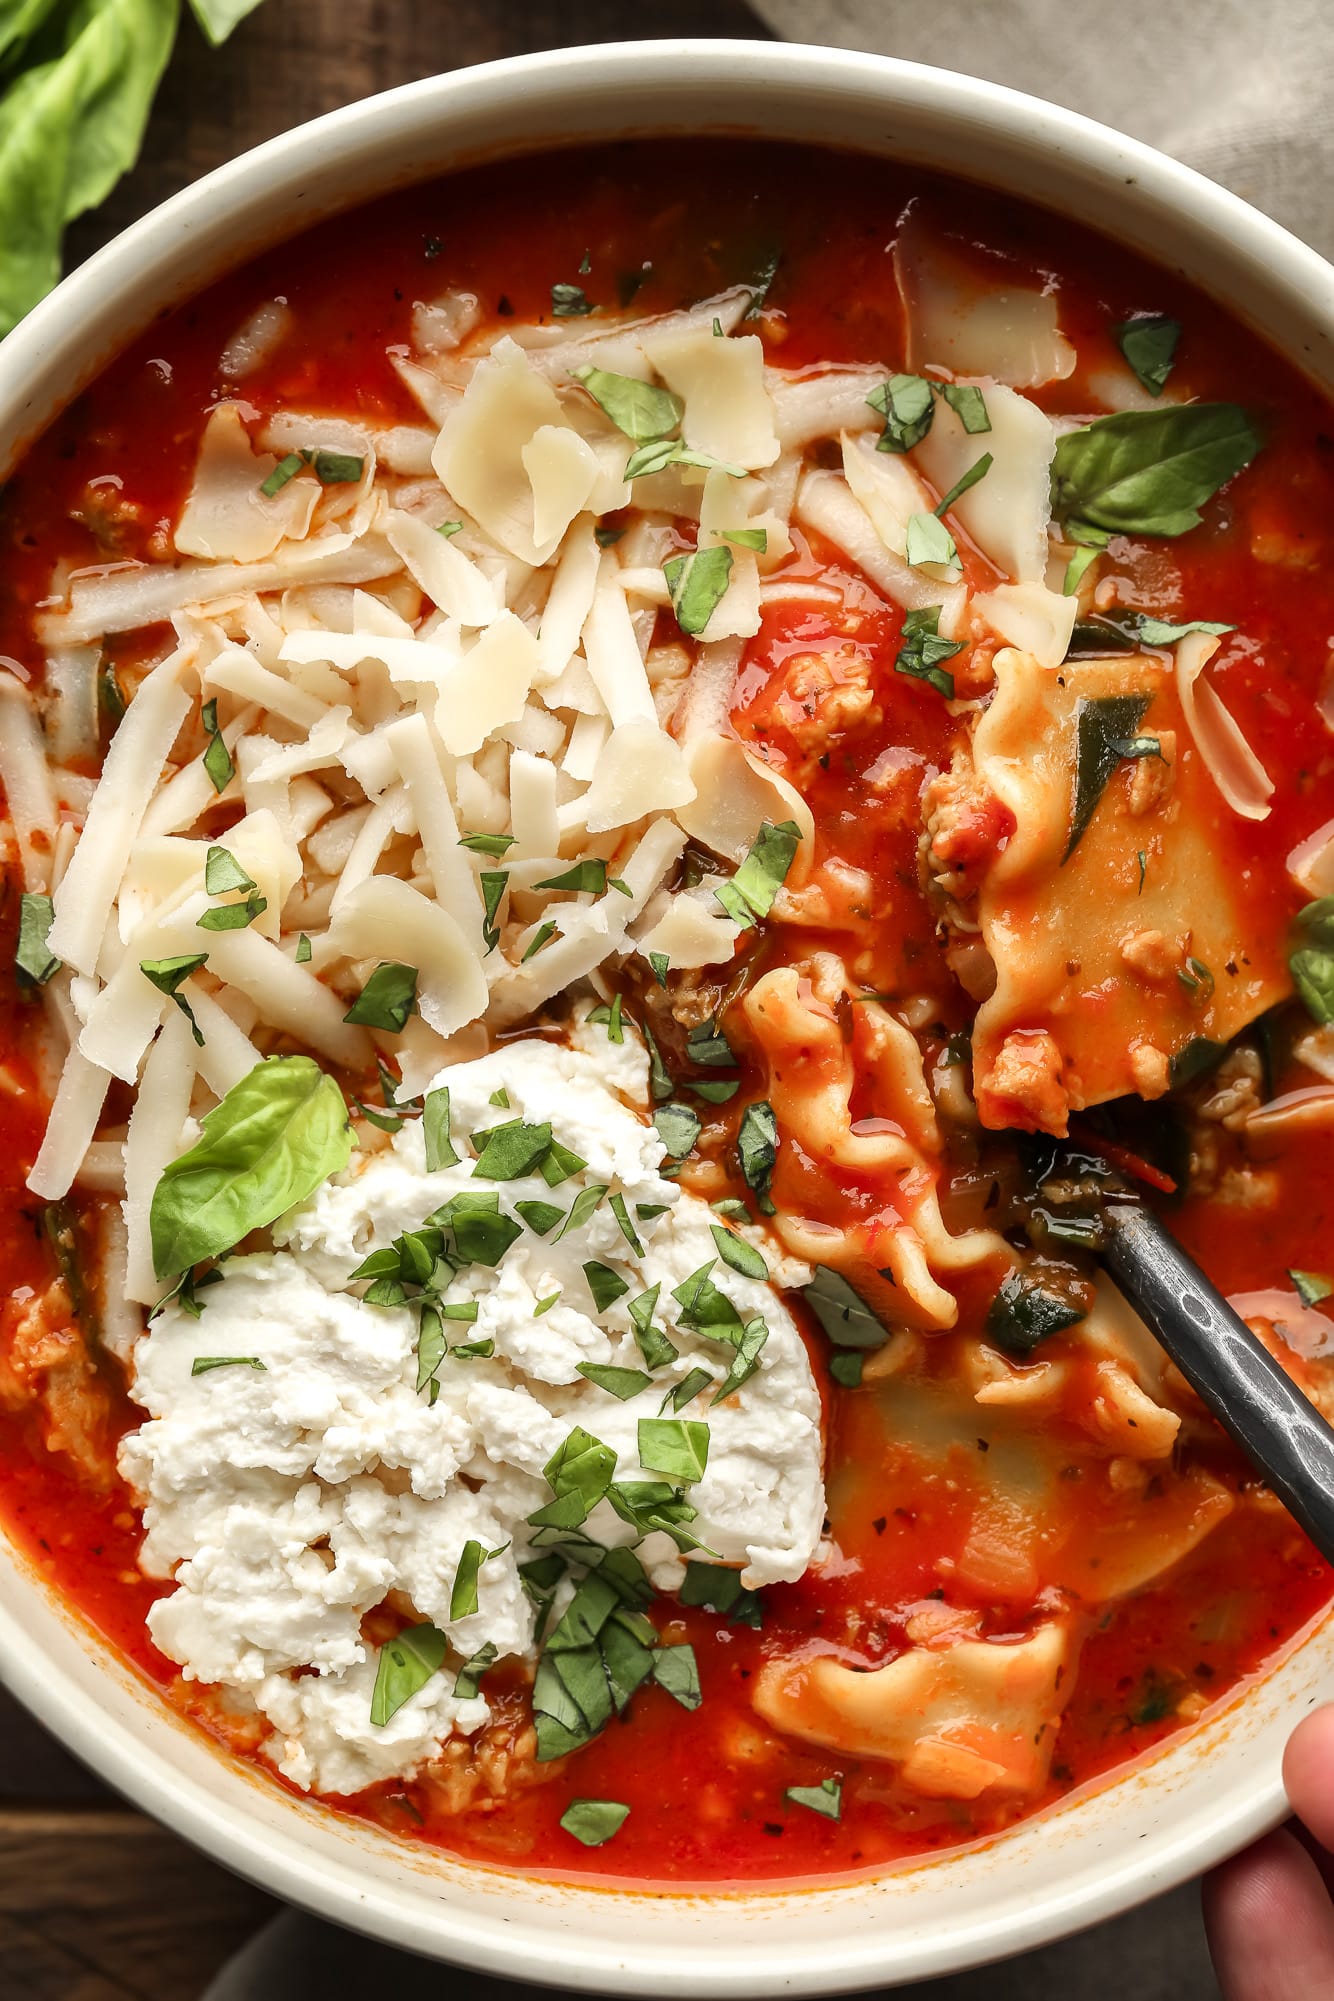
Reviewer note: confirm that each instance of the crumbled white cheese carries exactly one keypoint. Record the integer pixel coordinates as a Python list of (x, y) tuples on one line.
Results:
[(289, 1501)]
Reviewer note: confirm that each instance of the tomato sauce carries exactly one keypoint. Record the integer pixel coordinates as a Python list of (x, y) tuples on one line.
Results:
[(662, 225)]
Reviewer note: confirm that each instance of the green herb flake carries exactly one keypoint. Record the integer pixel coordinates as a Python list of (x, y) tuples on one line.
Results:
[(405, 1666), (467, 1684), (585, 1204), (677, 1670), (168, 976), (846, 1369), (1312, 961), (541, 1217), (638, 409), (622, 1383), (968, 404), (749, 538), (493, 884), (715, 1587), (34, 961), (658, 1352), (929, 541), (842, 1312), (906, 405), (659, 964), (432, 1345), (737, 1253), (625, 1226), (511, 1151), (386, 1001), (545, 1305), (1163, 632), (488, 844), (542, 936), (1311, 1286), (285, 470), (1149, 344), (606, 1285), (923, 649), (303, 950), (678, 1128), (217, 759), (826, 1798), (203, 1364), (1023, 1313), (1076, 569), (964, 484), (1103, 724), (594, 1821), (463, 1598), (337, 468), (696, 584), (587, 878), (440, 1149), (560, 1163), (675, 1447), (569, 303), (686, 1390), (751, 892), (757, 1146)]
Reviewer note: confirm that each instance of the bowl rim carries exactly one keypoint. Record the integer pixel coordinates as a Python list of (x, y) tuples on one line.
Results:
[(274, 177)]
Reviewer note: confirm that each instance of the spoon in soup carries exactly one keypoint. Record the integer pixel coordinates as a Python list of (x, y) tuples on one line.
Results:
[(1254, 1399)]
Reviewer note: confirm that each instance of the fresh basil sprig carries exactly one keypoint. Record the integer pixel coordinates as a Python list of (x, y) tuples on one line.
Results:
[(640, 409), (275, 1137), (1312, 961), (1149, 472)]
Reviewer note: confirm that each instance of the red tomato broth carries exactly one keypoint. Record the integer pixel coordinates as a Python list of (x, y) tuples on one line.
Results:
[(707, 1788)]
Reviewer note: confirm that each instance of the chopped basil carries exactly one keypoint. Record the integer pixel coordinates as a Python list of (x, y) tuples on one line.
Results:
[(705, 1044), (594, 1821), (1197, 979), (607, 538), (735, 1251), (1195, 1058), (233, 916), (203, 1363), (560, 1164), (493, 883), (749, 538), (1103, 724), (1149, 344), (1024, 1313), (659, 1082), (751, 892), (678, 1129), (646, 1211), (842, 1312), (748, 1349), (622, 1383), (686, 1390), (405, 1666), (625, 1226), (606, 1285), (168, 975), (500, 1097), (677, 1670), (585, 1203), (468, 1682), (652, 1343), (1163, 632), (432, 1346), (1312, 963), (675, 1446), (697, 584), (286, 469), (568, 303), (481, 1234), (387, 999), (978, 470), (1149, 472), (34, 961), (664, 452), (639, 409), (732, 1207), (846, 1369), (757, 1145), (449, 528), (541, 1217), (1076, 568), (488, 844), (826, 1798), (968, 404), (714, 1092), (718, 1588), (337, 468), (303, 950), (766, 270), (612, 1018), (929, 541), (511, 1151), (660, 964), (542, 936), (463, 1598), (906, 406), (923, 649), (581, 1469), (545, 1305), (440, 1150), (222, 872), (589, 878), (1311, 1286), (705, 1308), (217, 758), (110, 695)]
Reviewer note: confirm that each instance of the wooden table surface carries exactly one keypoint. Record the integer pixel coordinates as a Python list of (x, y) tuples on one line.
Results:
[(97, 1903)]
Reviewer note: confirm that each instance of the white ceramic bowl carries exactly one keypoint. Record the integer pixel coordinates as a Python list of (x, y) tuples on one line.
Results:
[(1165, 1821)]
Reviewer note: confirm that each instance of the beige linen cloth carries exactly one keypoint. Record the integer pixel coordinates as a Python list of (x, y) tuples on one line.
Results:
[(1243, 90)]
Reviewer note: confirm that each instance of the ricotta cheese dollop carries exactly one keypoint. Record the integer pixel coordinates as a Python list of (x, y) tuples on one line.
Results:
[(301, 1479)]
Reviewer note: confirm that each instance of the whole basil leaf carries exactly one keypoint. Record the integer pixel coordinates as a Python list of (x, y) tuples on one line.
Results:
[(275, 1137), (1149, 472)]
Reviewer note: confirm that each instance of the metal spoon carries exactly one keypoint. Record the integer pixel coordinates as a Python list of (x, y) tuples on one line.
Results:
[(1257, 1404)]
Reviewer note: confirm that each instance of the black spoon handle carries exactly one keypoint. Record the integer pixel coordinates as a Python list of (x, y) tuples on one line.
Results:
[(1278, 1428)]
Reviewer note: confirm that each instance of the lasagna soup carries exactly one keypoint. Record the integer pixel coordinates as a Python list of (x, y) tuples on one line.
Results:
[(626, 784)]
